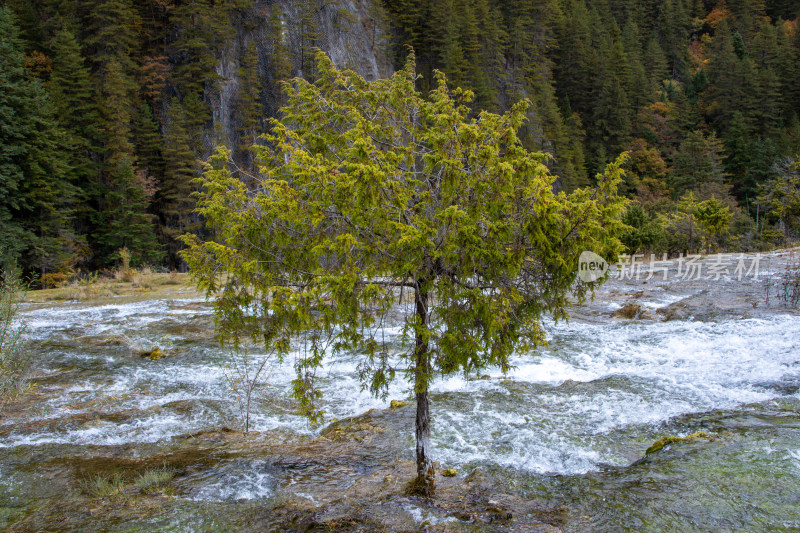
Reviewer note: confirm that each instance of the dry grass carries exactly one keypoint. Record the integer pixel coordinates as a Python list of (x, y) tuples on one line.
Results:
[(104, 487), (128, 285), (152, 480)]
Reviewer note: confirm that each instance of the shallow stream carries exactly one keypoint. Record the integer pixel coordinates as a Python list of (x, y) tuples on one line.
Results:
[(569, 426)]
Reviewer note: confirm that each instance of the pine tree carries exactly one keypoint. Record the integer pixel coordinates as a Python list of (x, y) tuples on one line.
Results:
[(673, 29), (112, 33), (637, 86), (174, 201), (732, 82), (149, 142), (657, 65), (249, 111), (280, 61), (124, 222), (308, 36), (36, 198), (116, 113), (698, 166), (71, 91)]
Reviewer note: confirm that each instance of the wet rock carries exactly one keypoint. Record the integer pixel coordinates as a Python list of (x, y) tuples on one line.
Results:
[(676, 311), (665, 441), (350, 430), (154, 355), (396, 404), (632, 311), (449, 472)]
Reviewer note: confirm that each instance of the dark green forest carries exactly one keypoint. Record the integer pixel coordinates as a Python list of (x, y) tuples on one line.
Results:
[(108, 107)]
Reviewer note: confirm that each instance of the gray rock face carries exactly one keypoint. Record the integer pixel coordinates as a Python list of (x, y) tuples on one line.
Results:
[(351, 32)]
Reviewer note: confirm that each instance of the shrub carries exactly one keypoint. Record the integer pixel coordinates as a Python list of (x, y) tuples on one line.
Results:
[(14, 357), (51, 280)]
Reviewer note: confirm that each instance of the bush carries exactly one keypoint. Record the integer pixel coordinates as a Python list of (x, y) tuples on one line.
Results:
[(14, 357), (644, 231), (51, 280)]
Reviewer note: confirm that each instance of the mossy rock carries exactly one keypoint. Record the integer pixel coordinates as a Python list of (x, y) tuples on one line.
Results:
[(449, 472), (154, 354), (396, 404), (665, 441), (349, 432)]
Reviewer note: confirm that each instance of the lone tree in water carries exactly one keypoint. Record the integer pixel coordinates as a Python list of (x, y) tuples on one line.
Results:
[(368, 191)]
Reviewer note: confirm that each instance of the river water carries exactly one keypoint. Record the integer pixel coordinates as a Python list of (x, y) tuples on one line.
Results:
[(569, 425)]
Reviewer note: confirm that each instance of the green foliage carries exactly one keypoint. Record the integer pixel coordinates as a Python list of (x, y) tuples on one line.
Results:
[(698, 164), (680, 75), (713, 217), (248, 107), (644, 232), (124, 223), (174, 199), (369, 189), (782, 198), (15, 358), (35, 196)]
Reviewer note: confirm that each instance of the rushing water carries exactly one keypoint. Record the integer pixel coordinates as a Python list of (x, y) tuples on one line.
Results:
[(569, 418)]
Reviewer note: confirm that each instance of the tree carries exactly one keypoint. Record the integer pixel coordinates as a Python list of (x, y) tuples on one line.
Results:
[(782, 197), (174, 200), (124, 223), (644, 232), (368, 189), (713, 217), (36, 200), (248, 105), (71, 91), (699, 164)]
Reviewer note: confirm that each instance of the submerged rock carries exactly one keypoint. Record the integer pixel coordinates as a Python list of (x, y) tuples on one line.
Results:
[(660, 443)]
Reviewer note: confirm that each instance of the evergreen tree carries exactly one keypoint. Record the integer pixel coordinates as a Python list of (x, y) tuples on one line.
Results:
[(732, 82), (112, 33), (698, 166), (485, 248), (72, 94), (174, 201), (657, 65), (36, 198), (248, 106), (124, 222), (280, 61)]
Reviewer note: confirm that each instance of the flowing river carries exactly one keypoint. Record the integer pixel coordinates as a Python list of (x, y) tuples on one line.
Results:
[(568, 427)]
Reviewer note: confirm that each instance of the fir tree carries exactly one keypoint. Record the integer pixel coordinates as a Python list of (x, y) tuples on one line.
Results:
[(36, 198), (174, 201), (248, 106), (124, 222)]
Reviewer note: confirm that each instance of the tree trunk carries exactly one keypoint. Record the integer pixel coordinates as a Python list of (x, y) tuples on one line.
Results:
[(424, 483)]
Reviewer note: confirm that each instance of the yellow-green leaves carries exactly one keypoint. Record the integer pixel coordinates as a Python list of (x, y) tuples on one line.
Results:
[(369, 189)]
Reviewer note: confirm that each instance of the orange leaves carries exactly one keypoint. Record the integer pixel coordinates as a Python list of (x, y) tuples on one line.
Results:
[(718, 14), (154, 73)]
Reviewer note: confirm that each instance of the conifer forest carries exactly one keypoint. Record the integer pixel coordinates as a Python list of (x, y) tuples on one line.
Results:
[(109, 107)]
